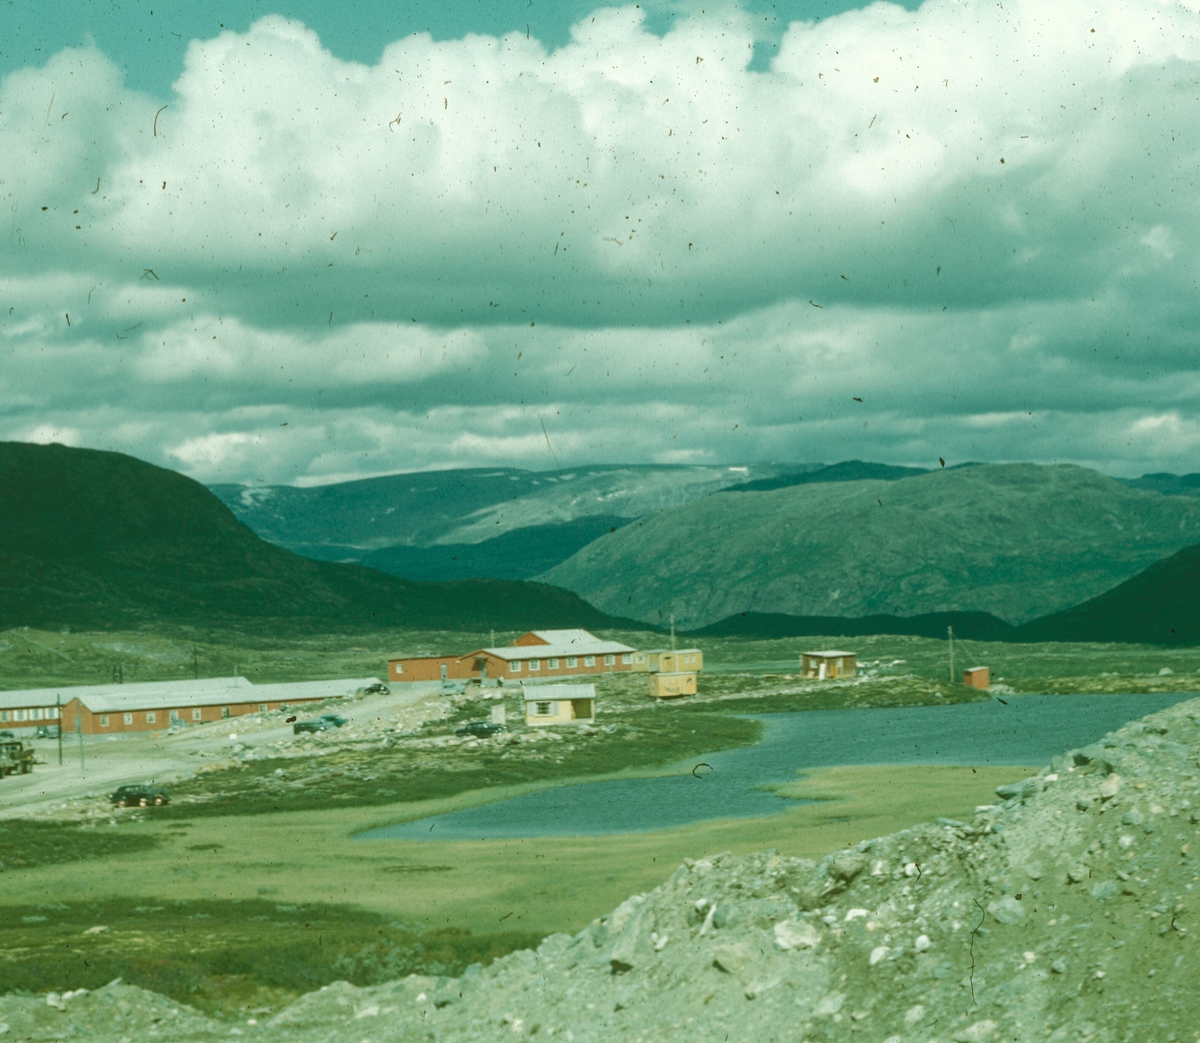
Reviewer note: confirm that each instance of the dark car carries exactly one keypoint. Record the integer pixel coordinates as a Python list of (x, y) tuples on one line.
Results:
[(318, 724), (334, 719), (377, 689), (139, 796), (481, 729)]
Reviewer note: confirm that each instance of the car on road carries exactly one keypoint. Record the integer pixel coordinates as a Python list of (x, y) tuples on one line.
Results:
[(379, 688), (481, 729), (138, 796), (326, 722)]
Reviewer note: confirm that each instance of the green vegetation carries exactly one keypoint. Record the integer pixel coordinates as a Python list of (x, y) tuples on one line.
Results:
[(371, 775), (92, 539), (1157, 605), (310, 862), (1016, 540), (25, 844), (32, 658), (231, 957)]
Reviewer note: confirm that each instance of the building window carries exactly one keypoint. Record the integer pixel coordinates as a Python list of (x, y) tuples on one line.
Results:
[(127, 718), (609, 660), (545, 709), (627, 658), (150, 717), (104, 720), (224, 712), (22, 715), (535, 664), (4, 715), (37, 714), (589, 660), (551, 664), (195, 715), (572, 662), (515, 667), (262, 707), (52, 713), (397, 668)]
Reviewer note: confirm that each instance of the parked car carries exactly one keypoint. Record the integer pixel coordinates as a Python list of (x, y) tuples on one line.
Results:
[(47, 731), (138, 796), (324, 723), (379, 688), (481, 729)]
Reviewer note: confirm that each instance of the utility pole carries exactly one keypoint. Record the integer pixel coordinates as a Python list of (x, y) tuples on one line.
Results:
[(950, 637), (79, 732), (195, 664), (672, 633), (58, 703)]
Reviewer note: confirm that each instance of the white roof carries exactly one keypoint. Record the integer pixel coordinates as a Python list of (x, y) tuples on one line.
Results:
[(160, 695), (594, 647), (542, 692), (829, 655), (670, 651), (566, 637)]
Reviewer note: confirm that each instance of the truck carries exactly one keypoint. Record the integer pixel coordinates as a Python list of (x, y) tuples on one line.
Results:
[(15, 756)]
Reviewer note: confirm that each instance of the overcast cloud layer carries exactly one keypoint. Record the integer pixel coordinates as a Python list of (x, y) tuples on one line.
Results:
[(980, 221)]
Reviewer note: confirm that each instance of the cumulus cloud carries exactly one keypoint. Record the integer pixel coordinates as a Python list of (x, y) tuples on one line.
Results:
[(979, 220)]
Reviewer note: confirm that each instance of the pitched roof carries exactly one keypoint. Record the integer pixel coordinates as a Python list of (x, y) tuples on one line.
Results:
[(829, 655), (566, 637), (540, 693), (162, 695), (557, 651)]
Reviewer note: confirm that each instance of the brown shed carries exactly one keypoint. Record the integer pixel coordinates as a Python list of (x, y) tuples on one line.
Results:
[(977, 677)]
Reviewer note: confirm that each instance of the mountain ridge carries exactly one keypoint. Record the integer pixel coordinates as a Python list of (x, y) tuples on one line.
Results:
[(1015, 540), (99, 540)]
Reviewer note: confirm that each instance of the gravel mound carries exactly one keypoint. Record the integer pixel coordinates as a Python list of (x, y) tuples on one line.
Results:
[(1064, 912)]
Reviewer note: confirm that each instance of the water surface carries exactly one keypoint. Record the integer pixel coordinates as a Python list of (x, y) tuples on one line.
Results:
[(1029, 729)]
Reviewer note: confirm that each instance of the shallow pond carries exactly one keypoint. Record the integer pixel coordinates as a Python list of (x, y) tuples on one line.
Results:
[(1027, 729)]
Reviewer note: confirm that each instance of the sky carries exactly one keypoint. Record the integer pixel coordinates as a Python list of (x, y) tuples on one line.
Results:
[(304, 242)]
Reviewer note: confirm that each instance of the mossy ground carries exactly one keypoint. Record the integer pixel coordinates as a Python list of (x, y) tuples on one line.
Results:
[(285, 847), (227, 957)]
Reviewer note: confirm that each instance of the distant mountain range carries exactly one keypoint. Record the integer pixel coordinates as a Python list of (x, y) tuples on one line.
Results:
[(1013, 540), (103, 541), (482, 522), (1007, 552)]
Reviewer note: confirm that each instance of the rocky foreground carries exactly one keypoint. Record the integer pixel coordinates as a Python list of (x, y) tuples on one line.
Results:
[(1065, 912)]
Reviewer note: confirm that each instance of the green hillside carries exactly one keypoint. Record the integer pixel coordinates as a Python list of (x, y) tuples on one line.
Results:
[(1159, 606), (1015, 540), (100, 540)]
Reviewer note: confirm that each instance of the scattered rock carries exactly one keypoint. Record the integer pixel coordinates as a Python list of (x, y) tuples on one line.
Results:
[(741, 949)]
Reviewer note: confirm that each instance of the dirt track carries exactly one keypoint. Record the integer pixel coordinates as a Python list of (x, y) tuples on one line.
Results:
[(164, 757)]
